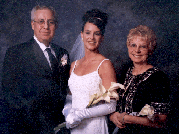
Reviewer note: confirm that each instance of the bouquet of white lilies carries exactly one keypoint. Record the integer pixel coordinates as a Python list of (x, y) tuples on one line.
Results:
[(105, 94)]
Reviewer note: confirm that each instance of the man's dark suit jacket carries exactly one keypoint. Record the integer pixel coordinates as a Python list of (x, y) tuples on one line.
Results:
[(33, 98)]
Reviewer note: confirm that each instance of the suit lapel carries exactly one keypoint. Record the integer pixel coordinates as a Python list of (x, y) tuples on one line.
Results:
[(56, 50), (40, 58), (59, 55)]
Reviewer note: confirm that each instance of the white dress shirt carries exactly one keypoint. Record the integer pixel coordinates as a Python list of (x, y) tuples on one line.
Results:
[(43, 47)]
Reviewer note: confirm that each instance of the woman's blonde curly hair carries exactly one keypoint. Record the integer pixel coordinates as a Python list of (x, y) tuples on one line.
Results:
[(146, 33)]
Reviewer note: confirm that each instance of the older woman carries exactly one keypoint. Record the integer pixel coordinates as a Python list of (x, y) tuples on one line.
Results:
[(144, 84)]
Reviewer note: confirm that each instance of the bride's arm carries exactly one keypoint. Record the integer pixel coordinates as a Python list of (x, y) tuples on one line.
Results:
[(107, 74), (76, 116), (68, 102)]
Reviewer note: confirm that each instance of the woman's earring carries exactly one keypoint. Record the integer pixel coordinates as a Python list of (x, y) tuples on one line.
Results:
[(82, 39)]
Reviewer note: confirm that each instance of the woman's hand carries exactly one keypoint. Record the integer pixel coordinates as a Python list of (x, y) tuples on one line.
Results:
[(72, 120), (117, 119)]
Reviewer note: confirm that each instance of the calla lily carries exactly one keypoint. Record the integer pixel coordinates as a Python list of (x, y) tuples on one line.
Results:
[(105, 94)]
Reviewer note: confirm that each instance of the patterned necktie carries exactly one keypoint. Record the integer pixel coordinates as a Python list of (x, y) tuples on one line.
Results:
[(53, 61)]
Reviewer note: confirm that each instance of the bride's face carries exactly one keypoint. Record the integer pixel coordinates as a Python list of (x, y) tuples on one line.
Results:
[(91, 36)]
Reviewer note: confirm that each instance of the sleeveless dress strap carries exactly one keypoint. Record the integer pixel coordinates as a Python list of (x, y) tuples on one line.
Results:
[(101, 63), (74, 66)]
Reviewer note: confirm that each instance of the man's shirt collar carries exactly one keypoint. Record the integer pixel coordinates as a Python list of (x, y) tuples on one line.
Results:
[(42, 46)]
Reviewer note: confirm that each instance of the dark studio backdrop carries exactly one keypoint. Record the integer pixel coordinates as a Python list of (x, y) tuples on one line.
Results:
[(161, 15)]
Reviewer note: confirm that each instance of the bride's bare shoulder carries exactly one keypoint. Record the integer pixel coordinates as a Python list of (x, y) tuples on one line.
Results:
[(100, 57)]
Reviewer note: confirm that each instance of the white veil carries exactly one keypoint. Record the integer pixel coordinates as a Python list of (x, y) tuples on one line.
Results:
[(77, 52)]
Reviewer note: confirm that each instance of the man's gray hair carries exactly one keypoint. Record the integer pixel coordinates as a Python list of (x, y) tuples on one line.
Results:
[(38, 7)]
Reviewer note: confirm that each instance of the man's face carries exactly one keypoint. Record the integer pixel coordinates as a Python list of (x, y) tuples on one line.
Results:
[(44, 26)]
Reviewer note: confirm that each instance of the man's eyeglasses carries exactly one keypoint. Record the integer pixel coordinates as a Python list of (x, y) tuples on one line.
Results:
[(49, 22)]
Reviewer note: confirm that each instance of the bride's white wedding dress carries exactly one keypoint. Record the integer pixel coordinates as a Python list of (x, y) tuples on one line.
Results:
[(82, 87)]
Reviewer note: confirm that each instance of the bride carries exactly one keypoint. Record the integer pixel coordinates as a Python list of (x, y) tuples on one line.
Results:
[(86, 74)]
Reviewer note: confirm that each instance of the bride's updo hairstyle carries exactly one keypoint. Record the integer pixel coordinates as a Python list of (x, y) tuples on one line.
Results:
[(97, 18)]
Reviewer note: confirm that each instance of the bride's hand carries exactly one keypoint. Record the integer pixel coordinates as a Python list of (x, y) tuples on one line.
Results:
[(72, 120)]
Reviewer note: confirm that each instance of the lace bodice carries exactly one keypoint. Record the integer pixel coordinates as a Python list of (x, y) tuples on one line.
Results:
[(82, 87)]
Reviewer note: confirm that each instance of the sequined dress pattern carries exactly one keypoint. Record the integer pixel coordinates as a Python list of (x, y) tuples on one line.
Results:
[(132, 82)]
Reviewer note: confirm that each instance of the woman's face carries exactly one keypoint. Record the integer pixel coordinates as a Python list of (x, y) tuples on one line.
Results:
[(138, 50), (91, 36)]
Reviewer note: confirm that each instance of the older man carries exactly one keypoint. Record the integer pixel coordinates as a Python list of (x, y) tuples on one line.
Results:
[(35, 75)]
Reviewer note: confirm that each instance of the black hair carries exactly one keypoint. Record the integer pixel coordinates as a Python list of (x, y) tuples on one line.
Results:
[(96, 17)]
